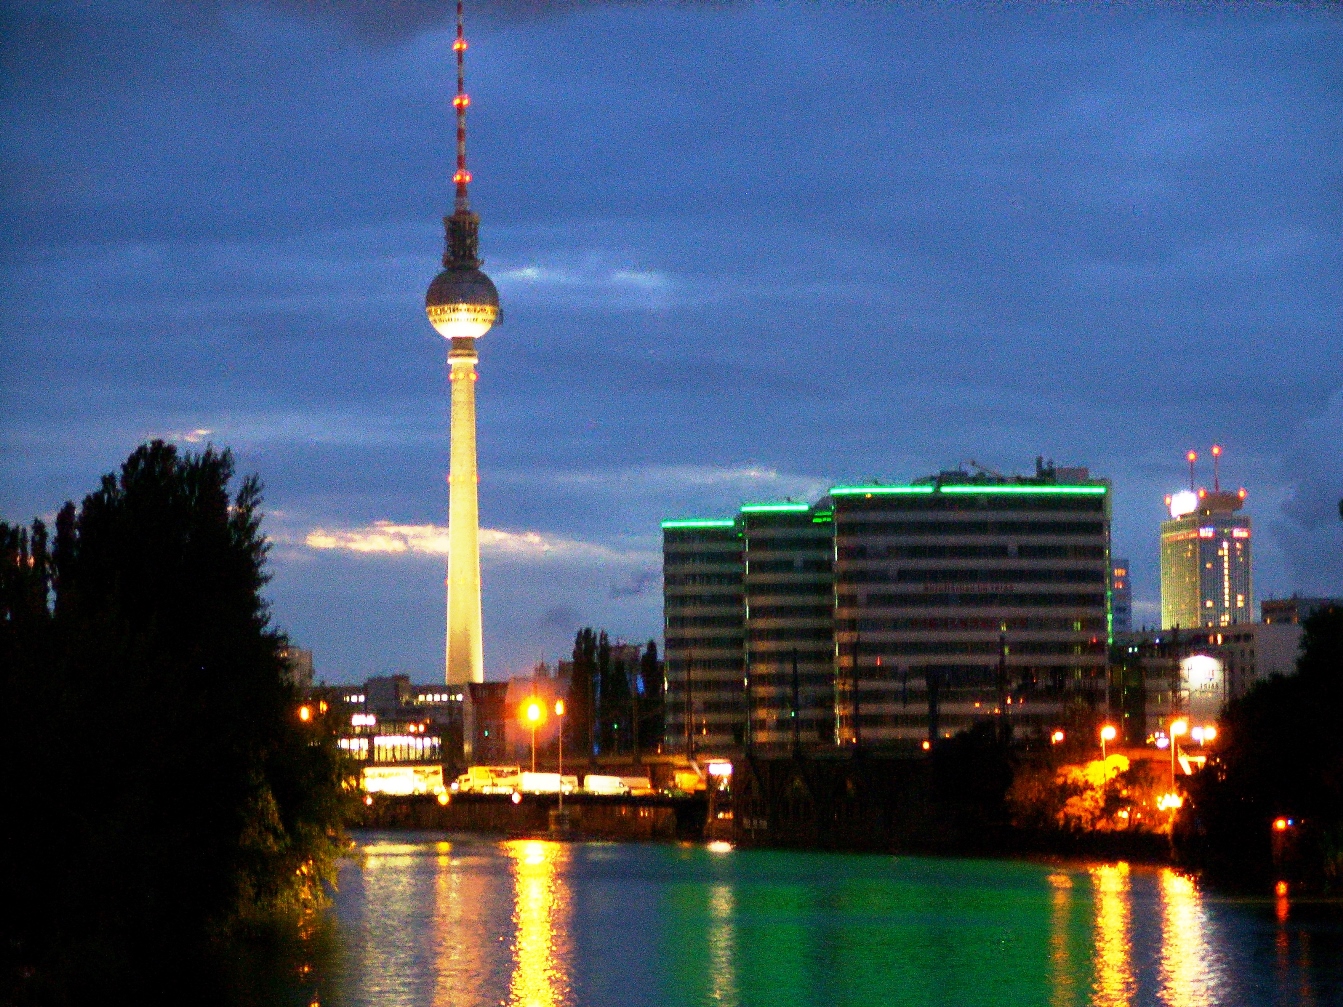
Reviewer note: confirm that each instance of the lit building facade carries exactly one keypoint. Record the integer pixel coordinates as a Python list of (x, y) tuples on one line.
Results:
[(703, 570), (789, 619), (1206, 578), (1121, 596), (890, 614), (963, 599)]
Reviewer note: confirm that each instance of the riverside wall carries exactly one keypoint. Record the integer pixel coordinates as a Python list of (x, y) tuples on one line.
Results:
[(591, 816)]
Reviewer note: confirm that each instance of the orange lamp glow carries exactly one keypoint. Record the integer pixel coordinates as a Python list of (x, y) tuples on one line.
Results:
[(1192, 456), (1108, 733), (1216, 450), (1209, 733), (305, 713), (1280, 889), (1178, 728), (927, 745), (1280, 824), (559, 708), (533, 711), (1057, 737)]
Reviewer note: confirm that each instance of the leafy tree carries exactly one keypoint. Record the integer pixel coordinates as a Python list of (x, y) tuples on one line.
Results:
[(581, 710), (1280, 753), (171, 796), (652, 724)]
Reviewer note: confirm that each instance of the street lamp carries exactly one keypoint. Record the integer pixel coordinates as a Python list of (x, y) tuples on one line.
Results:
[(534, 712), (559, 713), (1107, 734), (1177, 728)]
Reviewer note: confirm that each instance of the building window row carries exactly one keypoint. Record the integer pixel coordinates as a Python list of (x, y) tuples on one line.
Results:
[(994, 599), (970, 576), (910, 529), (704, 621), (703, 579), (1012, 624), (999, 551), (701, 558), (791, 634), (755, 566), (791, 611), (937, 502)]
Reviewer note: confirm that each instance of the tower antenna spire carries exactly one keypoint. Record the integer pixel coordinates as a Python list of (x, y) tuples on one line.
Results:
[(1216, 457), (1191, 458), (462, 177)]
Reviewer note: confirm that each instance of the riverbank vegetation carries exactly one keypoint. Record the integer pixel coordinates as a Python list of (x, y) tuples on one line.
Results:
[(1269, 807), (167, 798)]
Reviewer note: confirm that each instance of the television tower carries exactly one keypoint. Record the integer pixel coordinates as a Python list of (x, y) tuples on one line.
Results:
[(462, 303)]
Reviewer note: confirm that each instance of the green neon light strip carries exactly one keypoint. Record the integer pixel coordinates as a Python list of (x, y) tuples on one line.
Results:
[(1090, 491), (876, 491), (775, 508), (696, 523)]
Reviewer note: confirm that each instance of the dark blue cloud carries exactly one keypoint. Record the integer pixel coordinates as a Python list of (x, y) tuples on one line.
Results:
[(744, 251)]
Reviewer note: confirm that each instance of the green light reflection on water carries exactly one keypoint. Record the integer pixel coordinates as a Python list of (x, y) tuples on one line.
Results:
[(536, 924)]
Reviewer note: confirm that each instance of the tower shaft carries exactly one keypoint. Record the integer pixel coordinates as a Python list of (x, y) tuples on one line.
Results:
[(465, 652)]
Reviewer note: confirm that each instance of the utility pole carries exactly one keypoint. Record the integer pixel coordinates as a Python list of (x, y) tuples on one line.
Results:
[(857, 680), (689, 710), (797, 712)]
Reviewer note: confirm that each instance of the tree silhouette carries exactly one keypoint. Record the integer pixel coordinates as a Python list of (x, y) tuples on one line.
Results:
[(172, 794)]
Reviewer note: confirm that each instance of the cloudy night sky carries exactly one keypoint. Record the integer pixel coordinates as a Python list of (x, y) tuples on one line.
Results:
[(745, 251)]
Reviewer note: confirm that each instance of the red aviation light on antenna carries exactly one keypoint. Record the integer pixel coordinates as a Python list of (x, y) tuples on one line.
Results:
[(461, 101), (459, 45), (1191, 457), (1216, 450), (461, 177)]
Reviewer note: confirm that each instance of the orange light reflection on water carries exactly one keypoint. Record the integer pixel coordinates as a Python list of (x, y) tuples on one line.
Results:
[(1189, 967), (1113, 985), (540, 920)]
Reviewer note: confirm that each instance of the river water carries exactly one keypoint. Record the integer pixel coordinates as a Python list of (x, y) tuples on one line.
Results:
[(431, 919)]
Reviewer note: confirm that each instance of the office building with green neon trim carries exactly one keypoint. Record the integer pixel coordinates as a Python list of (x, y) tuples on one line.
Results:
[(913, 610), (703, 569)]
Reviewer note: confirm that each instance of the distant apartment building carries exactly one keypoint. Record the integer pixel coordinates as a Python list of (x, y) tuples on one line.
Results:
[(1121, 597), (1206, 578), (1276, 611), (886, 614), (1161, 675)]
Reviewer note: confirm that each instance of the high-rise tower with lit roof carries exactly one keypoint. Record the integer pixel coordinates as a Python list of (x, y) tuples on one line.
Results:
[(1206, 578), (462, 304)]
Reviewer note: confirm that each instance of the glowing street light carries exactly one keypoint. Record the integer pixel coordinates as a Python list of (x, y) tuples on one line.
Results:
[(1177, 728), (305, 713), (1056, 738), (1108, 733), (534, 713), (559, 713)]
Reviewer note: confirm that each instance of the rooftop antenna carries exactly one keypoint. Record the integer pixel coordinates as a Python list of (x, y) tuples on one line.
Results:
[(1191, 457), (1216, 457), (460, 103)]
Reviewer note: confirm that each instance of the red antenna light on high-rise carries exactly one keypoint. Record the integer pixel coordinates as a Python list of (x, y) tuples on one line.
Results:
[(1191, 458)]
